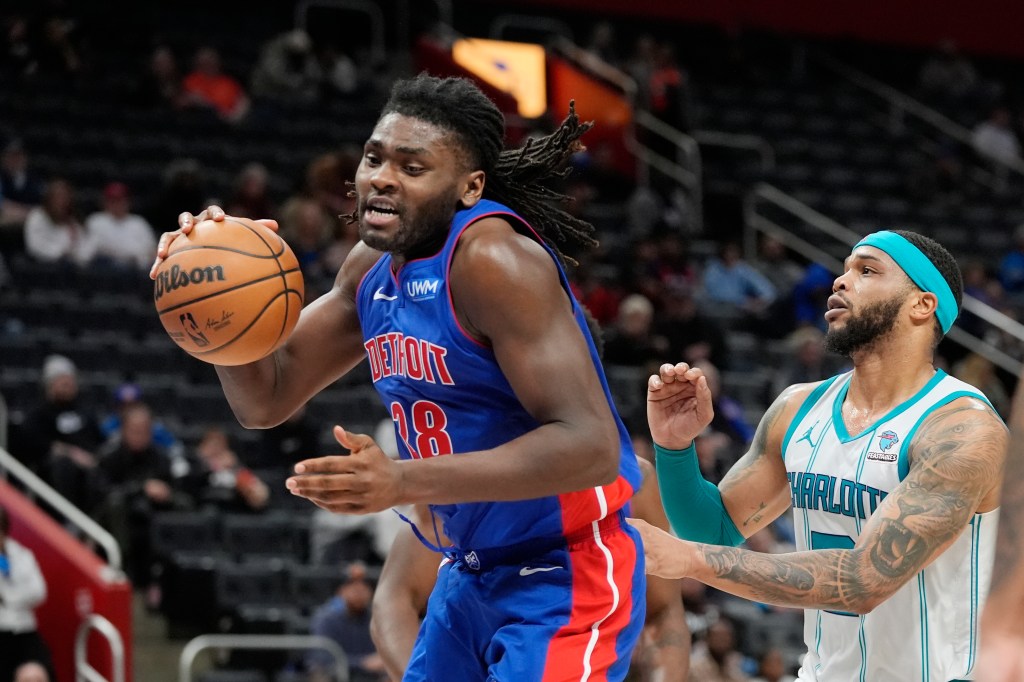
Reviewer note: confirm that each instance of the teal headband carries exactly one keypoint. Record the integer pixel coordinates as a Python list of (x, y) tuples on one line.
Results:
[(920, 270)]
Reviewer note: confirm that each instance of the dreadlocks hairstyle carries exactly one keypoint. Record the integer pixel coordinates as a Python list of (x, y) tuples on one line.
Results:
[(944, 262), (514, 176)]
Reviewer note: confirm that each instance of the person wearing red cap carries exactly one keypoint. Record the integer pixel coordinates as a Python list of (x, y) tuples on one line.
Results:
[(118, 235)]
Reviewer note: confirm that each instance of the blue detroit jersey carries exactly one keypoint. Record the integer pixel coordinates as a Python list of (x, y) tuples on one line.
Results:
[(447, 394)]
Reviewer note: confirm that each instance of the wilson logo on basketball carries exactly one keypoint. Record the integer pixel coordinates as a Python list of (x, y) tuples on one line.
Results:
[(176, 278)]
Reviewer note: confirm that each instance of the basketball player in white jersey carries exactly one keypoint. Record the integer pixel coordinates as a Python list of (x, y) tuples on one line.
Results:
[(893, 471)]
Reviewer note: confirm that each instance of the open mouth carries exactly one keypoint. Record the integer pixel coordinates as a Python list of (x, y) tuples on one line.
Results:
[(379, 212)]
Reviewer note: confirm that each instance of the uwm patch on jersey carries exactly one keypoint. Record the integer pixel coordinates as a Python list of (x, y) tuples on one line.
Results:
[(422, 289)]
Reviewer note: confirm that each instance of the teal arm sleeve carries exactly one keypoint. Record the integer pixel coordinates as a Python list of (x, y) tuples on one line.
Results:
[(693, 506)]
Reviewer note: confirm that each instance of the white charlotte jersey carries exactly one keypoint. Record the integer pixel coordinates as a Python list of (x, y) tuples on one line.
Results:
[(928, 630)]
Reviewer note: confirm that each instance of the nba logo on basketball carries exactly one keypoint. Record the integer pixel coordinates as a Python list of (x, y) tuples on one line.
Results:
[(422, 289)]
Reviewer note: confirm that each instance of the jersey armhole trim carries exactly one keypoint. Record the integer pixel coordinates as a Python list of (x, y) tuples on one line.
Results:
[(805, 407), (903, 461)]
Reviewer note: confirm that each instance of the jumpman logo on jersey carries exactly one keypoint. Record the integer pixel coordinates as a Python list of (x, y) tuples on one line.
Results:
[(807, 436)]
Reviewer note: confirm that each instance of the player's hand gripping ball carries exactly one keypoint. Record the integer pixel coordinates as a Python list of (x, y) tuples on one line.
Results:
[(229, 292)]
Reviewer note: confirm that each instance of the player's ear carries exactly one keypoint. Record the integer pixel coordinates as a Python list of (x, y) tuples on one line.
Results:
[(925, 305), (473, 189)]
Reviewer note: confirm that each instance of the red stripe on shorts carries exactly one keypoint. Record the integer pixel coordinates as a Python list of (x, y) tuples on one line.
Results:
[(576, 653)]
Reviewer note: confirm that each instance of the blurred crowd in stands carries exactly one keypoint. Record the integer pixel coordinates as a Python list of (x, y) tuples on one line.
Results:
[(659, 291)]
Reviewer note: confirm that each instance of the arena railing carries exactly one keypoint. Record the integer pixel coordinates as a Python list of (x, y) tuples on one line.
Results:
[(261, 642), (84, 671), (902, 104), (831, 254), (37, 487)]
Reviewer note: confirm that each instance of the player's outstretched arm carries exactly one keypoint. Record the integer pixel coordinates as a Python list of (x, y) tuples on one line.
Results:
[(406, 580), (957, 458), (1001, 657), (753, 493)]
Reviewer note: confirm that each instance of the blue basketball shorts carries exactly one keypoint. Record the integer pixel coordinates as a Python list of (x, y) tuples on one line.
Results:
[(574, 612)]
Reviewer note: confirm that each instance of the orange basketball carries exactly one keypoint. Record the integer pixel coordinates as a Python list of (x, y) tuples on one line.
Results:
[(229, 293)]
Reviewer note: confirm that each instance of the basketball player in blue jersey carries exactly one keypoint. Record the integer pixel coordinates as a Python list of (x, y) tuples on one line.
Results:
[(481, 355), (893, 471), (406, 582)]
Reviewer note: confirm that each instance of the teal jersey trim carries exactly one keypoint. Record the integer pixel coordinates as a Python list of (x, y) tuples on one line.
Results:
[(975, 542), (903, 461), (837, 408), (922, 595), (809, 402)]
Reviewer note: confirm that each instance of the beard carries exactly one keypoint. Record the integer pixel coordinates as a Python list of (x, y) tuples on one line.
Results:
[(416, 232), (864, 328)]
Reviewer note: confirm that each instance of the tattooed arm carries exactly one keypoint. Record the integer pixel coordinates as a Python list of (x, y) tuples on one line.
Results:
[(956, 462), (1001, 658), (752, 494)]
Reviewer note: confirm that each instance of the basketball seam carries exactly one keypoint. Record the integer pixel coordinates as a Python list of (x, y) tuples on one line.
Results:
[(249, 326), (284, 279), (224, 291), (218, 248)]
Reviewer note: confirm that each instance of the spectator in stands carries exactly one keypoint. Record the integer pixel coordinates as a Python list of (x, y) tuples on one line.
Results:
[(729, 418), (307, 228), (1011, 267), (59, 53), (602, 43), (772, 667), (994, 138), (221, 480), (947, 77), (341, 77), (806, 360), (669, 91), (119, 237), (810, 294), (20, 187), (127, 395), (774, 262), (31, 671), (251, 194), (19, 56), (345, 619), (59, 435), (631, 341), (731, 282), (53, 232), (692, 336), (208, 86), (715, 659), (135, 474), (288, 71), (22, 589), (979, 284), (161, 85)]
